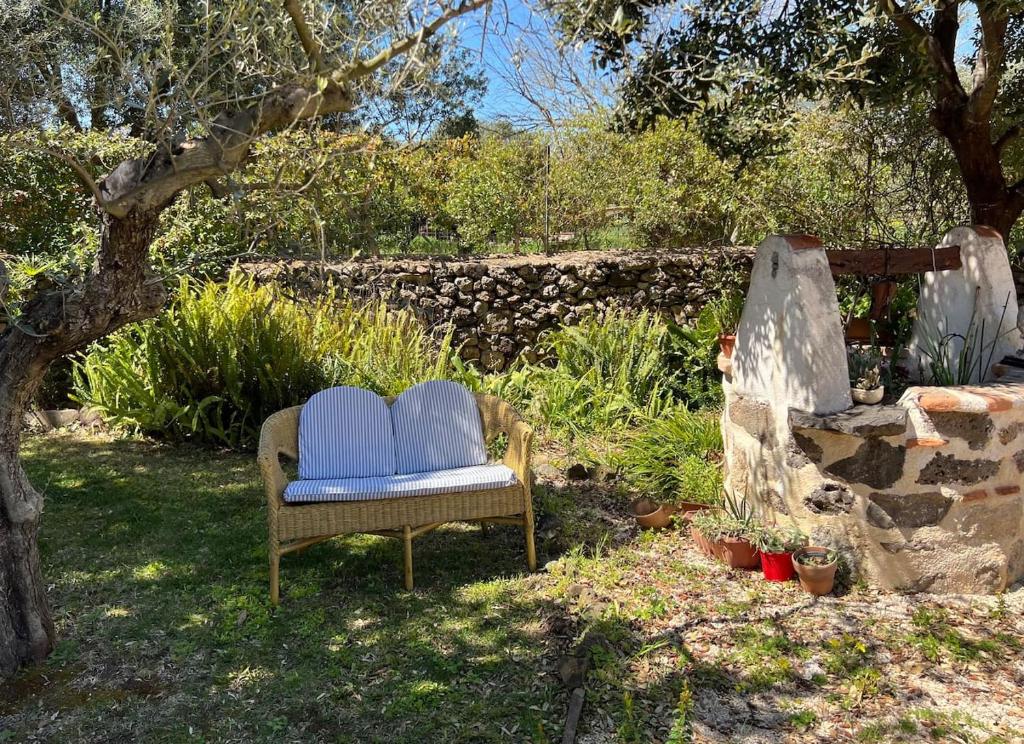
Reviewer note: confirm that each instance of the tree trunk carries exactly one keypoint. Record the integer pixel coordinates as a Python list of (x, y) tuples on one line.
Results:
[(26, 628), (119, 289), (993, 201)]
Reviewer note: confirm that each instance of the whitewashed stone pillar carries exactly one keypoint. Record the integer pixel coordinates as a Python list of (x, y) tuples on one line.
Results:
[(981, 289), (790, 350)]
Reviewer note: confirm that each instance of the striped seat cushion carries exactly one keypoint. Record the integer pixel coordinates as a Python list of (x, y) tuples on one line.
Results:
[(437, 427), (476, 478), (345, 432)]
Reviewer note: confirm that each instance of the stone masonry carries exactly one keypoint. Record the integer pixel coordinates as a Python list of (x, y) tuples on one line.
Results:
[(500, 306)]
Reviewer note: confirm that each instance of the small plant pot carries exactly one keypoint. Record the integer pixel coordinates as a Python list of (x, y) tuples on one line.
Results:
[(816, 580), (868, 397), (651, 515), (777, 566), (727, 342), (737, 553)]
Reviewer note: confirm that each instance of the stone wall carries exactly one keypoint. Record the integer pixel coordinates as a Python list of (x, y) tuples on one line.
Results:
[(499, 306)]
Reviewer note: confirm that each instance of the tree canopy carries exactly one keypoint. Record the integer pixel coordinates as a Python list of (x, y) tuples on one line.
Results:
[(743, 68)]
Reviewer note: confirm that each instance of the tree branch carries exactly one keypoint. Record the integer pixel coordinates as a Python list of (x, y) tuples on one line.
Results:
[(988, 66), (151, 183), (309, 44), (365, 67), (942, 62), (83, 175)]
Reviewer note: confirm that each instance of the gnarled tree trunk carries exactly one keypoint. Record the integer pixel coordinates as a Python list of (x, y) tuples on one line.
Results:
[(119, 289)]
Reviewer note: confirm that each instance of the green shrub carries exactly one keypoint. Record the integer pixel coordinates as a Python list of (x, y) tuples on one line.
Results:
[(610, 370), (225, 356), (675, 457)]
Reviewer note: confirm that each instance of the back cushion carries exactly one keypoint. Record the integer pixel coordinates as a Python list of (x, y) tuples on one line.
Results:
[(437, 427), (345, 432)]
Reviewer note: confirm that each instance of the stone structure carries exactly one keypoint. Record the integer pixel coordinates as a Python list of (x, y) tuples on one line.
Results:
[(499, 306), (923, 495)]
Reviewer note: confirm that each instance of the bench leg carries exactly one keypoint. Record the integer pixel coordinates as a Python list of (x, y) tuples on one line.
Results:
[(531, 551), (407, 542), (275, 575)]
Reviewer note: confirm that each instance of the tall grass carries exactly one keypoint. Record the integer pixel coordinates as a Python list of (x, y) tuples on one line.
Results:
[(613, 369), (225, 356), (675, 457)]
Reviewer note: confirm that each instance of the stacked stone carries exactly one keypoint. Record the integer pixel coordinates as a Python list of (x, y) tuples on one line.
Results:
[(500, 307)]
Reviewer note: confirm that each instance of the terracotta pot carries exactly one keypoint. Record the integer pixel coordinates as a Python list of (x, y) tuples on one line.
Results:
[(686, 509), (651, 515), (702, 542), (858, 329), (777, 566), (869, 397), (816, 580), (727, 342), (738, 553)]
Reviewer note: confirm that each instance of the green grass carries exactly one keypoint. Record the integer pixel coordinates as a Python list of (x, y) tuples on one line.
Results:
[(157, 559)]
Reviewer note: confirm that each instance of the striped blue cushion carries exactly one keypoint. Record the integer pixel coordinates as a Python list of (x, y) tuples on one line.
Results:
[(437, 427), (345, 432), (478, 477)]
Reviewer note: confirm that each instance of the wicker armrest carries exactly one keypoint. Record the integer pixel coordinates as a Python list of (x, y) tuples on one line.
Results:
[(501, 418), (279, 436)]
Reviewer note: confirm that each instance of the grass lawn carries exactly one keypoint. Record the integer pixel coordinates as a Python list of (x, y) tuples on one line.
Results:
[(157, 561)]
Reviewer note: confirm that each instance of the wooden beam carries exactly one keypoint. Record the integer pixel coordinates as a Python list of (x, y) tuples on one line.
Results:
[(894, 261)]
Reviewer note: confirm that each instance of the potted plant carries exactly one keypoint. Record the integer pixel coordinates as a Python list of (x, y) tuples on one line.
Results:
[(726, 311), (816, 567), (776, 547), (865, 375), (725, 533)]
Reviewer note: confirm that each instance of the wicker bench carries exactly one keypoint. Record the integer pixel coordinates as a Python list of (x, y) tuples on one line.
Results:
[(295, 525)]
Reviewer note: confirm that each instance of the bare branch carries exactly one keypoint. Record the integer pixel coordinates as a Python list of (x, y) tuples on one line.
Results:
[(365, 67), (309, 44), (83, 175)]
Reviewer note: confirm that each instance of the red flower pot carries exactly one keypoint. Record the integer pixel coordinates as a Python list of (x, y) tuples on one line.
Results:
[(727, 342), (777, 566)]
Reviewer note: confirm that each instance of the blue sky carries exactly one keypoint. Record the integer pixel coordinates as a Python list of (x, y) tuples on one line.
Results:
[(512, 23)]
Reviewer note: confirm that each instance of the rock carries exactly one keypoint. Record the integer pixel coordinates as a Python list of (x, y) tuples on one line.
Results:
[(547, 471), (875, 463), (975, 428), (830, 498), (913, 510), (811, 449), (493, 360), (860, 421), (944, 469), (755, 416)]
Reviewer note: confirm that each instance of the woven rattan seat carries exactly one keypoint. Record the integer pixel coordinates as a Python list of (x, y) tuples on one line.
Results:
[(296, 526)]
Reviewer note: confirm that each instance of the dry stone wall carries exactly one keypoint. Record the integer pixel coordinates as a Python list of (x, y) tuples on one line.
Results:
[(500, 306)]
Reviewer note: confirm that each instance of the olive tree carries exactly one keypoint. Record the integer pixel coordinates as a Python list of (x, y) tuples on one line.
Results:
[(199, 83)]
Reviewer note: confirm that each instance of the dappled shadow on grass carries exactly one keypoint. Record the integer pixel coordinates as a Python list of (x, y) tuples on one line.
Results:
[(699, 650), (158, 561)]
